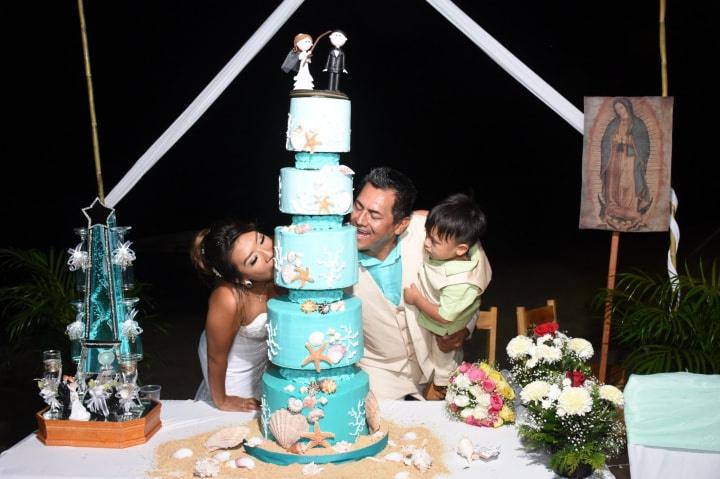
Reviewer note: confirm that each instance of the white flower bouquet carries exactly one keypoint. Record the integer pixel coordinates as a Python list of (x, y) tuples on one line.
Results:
[(547, 353), (576, 420)]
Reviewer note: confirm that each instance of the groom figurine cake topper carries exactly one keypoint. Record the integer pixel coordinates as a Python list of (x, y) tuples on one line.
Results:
[(299, 58), (336, 59)]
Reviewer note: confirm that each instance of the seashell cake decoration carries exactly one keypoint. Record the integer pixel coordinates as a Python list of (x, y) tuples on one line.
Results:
[(227, 438), (287, 428), (372, 412)]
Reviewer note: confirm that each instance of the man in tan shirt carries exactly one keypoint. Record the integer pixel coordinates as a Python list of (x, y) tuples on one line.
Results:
[(390, 239)]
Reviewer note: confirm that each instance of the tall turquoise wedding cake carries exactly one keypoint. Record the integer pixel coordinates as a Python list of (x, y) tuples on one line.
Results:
[(316, 402)]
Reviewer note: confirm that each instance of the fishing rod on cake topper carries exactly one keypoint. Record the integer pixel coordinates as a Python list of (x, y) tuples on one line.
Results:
[(298, 60)]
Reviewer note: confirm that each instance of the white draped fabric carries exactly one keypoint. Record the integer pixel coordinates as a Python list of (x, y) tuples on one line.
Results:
[(510, 63), (203, 101)]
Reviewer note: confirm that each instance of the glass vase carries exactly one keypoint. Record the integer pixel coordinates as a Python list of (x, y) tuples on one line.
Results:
[(81, 273)]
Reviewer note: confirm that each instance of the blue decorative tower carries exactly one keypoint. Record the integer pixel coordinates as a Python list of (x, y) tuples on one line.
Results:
[(105, 328)]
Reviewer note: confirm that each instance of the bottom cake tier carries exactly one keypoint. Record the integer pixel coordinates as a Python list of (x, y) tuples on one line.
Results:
[(329, 406)]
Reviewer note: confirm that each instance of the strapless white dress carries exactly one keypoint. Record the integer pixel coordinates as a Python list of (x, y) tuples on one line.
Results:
[(246, 362)]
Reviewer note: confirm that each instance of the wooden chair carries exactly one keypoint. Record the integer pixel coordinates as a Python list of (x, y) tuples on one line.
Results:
[(488, 320), (535, 316)]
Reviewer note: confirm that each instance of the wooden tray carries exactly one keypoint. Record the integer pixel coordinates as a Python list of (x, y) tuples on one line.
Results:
[(63, 432)]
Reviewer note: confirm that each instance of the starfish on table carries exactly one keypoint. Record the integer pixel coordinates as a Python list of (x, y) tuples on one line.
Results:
[(318, 437), (316, 356), (325, 204), (311, 142), (303, 275)]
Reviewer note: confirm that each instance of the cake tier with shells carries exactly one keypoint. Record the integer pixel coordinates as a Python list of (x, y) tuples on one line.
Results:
[(330, 331), (313, 393)]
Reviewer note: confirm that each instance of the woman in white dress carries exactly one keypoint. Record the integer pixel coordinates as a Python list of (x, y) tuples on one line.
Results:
[(237, 260)]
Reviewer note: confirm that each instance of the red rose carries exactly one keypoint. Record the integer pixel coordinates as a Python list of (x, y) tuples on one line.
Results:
[(577, 378), (546, 328)]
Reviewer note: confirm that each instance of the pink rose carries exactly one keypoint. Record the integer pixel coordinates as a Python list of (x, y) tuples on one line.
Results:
[(487, 422), (476, 374), (464, 367), (496, 402), (488, 385), (471, 420)]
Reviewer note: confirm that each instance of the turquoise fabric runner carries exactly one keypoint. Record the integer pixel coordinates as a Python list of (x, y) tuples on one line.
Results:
[(674, 410)]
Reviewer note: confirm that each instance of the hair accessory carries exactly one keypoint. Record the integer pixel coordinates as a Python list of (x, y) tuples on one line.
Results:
[(217, 273)]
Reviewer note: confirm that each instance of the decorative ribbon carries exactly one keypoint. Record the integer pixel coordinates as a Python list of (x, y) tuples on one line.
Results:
[(48, 391), (75, 330), (96, 399), (78, 259), (123, 256), (674, 238), (127, 395)]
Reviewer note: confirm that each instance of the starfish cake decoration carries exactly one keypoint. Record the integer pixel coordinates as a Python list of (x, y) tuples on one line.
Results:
[(311, 141), (303, 275), (318, 437), (316, 356), (324, 205)]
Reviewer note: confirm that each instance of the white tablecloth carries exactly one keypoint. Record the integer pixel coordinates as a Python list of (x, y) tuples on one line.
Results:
[(30, 458)]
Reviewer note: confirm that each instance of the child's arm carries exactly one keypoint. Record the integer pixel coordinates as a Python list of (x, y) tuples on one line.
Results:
[(414, 297)]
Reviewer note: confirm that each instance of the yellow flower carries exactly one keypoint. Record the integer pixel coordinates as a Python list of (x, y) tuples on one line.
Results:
[(507, 414), (495, 376), (485, 367), (499, 422), (505, 390)]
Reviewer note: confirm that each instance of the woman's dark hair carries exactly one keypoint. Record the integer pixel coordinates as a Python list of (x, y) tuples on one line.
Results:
[(457, 218), (386, 178), (626, 103), (212, 247)]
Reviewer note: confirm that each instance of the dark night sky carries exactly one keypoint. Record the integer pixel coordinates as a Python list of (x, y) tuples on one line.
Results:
[(422, 94)]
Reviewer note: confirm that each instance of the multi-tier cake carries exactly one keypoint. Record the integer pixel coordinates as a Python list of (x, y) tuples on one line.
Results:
[(314, 394)]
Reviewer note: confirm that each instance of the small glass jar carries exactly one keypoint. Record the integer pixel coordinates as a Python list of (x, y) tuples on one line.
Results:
[(118, 240), (80, 272), (75, 345)]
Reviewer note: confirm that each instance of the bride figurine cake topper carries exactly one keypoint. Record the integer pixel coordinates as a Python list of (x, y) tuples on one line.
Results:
[(299, 58)]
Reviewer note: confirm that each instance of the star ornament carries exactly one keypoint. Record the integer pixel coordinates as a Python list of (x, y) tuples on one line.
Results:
[(318, 437), (316, 356), (97, 213)]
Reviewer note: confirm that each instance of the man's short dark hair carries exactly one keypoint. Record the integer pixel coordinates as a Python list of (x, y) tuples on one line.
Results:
[(386, 178), (457, 218)]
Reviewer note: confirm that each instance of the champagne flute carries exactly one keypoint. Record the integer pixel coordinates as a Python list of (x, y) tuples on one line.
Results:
[(52, 374)]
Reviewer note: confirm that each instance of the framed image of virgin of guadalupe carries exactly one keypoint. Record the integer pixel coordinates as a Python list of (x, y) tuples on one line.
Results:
[(626, 164)]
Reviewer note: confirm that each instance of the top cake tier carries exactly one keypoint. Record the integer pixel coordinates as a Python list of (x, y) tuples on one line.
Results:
[(319, 121)]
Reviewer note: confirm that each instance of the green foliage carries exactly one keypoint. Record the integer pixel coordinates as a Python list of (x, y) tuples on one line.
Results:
[(668, 324), (35, 301), (569, 459), (35, 305)]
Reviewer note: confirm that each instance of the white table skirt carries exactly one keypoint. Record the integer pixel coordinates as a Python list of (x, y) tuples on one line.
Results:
[(652, 462), (30, 458)]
